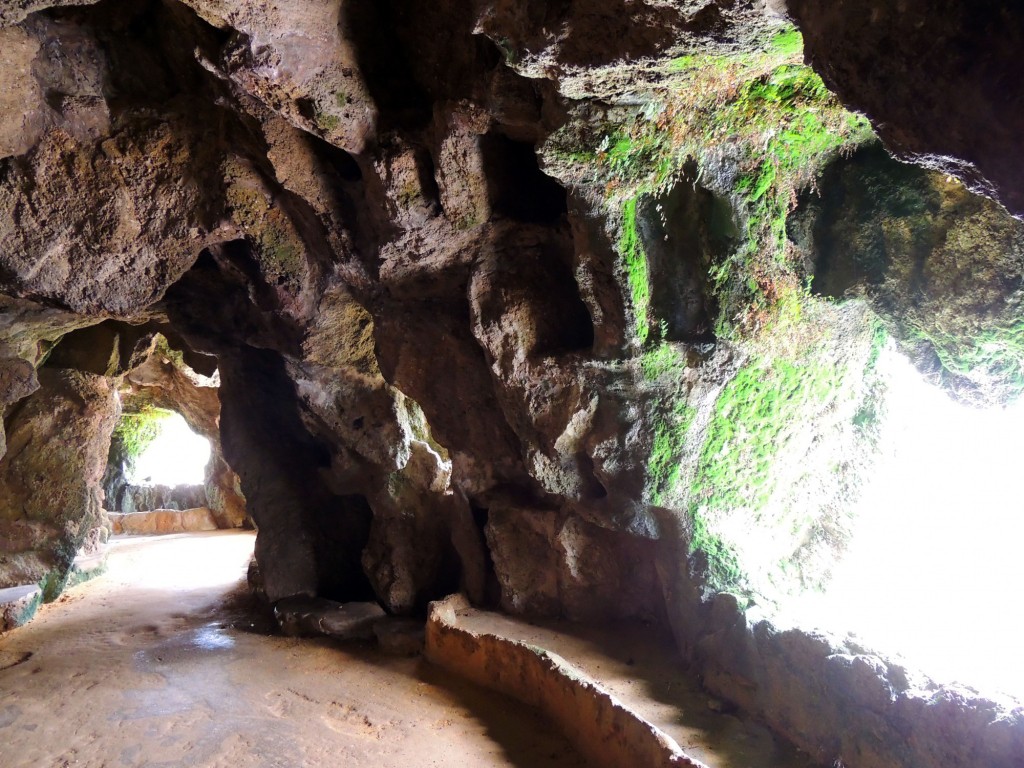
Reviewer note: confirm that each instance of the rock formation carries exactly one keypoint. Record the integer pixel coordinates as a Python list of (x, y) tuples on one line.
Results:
[(545, 303)]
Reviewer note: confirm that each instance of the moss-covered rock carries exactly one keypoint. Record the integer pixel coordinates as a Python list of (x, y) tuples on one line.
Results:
[(944, 267)]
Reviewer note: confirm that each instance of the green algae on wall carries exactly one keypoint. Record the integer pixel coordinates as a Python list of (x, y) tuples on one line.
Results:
[(759, 126), (753, 129), (944, 267), (788, 442), (136, 430), (276, 246), (637, 275)]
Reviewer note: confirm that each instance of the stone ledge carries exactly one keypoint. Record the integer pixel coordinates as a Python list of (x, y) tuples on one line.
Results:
[(606, 732), (160, 521), (18, 605)]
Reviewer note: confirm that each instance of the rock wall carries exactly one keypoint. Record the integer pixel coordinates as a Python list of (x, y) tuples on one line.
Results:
[(934, 77), (50, 493)]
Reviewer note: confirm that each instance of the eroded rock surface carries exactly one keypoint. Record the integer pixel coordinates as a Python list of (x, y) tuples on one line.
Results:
[(906, 67), (506, 299)]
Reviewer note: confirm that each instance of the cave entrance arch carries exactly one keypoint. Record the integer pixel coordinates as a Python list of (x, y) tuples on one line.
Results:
[(157, 462)]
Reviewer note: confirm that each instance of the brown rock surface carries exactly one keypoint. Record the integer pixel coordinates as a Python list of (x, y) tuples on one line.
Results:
[(18, 605), (50, 495), (161, 521), (907, 67)]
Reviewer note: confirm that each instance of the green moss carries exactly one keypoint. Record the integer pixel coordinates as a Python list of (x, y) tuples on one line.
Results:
[(749, 423), (280, 255), (788, 42), (164, 349), (52, 585), (664, 462), (327, 123), (991, 354), (660, 361), (724, 572), (136, 430), (802, 129), (77, 576), (869, 414), (632, 251), (762, 126), (277, 247)]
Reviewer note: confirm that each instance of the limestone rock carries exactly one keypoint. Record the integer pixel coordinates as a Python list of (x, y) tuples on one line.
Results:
[(553, 564), (147, 498), (907, 67), (18, 605), (161, 521), (50, 496), (132, 253), (302, 616)]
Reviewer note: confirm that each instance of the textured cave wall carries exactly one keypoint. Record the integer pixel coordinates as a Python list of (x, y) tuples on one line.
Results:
[(940, 80), (505, 298), (50, 493)]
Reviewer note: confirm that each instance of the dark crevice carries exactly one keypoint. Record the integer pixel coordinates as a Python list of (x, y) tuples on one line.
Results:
[(837, 227), (492, 587), (342, 528), (517, 187), (426, 173), (684, 232), (311, 539), (566, 325), (371, 25), (594, 489), (341, 162)]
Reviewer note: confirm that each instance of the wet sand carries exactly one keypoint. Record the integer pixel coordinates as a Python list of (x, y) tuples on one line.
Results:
[(165, 660)]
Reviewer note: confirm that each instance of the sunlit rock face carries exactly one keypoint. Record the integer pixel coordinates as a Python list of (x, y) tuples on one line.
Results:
[(504, 298)]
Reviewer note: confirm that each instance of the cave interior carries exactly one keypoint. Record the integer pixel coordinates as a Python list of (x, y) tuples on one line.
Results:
[(562, 315)]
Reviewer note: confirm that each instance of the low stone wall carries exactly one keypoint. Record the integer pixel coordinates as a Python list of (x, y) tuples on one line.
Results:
[(163, 521), (144, 498), (607, 733), (844, 705)]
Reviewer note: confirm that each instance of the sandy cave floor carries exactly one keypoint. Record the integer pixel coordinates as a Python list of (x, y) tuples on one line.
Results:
[(164, 661)]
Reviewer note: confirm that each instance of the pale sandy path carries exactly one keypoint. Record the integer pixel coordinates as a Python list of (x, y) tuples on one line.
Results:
[(138, 669)]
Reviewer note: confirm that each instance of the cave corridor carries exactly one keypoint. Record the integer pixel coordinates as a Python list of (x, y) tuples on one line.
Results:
[(612, 383)]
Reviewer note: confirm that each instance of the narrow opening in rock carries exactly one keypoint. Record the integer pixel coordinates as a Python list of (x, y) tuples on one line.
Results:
[(176, 455), (684, 232)]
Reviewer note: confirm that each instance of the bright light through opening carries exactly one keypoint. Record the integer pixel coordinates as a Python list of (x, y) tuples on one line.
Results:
[(935, 568), (177, 456)]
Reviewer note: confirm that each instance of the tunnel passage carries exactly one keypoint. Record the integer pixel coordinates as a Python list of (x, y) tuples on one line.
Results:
[(516, 185), (490, 331)]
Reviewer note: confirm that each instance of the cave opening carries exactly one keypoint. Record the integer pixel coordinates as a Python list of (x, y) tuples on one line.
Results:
[(156, 461), (931, 571), (177, 455)]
